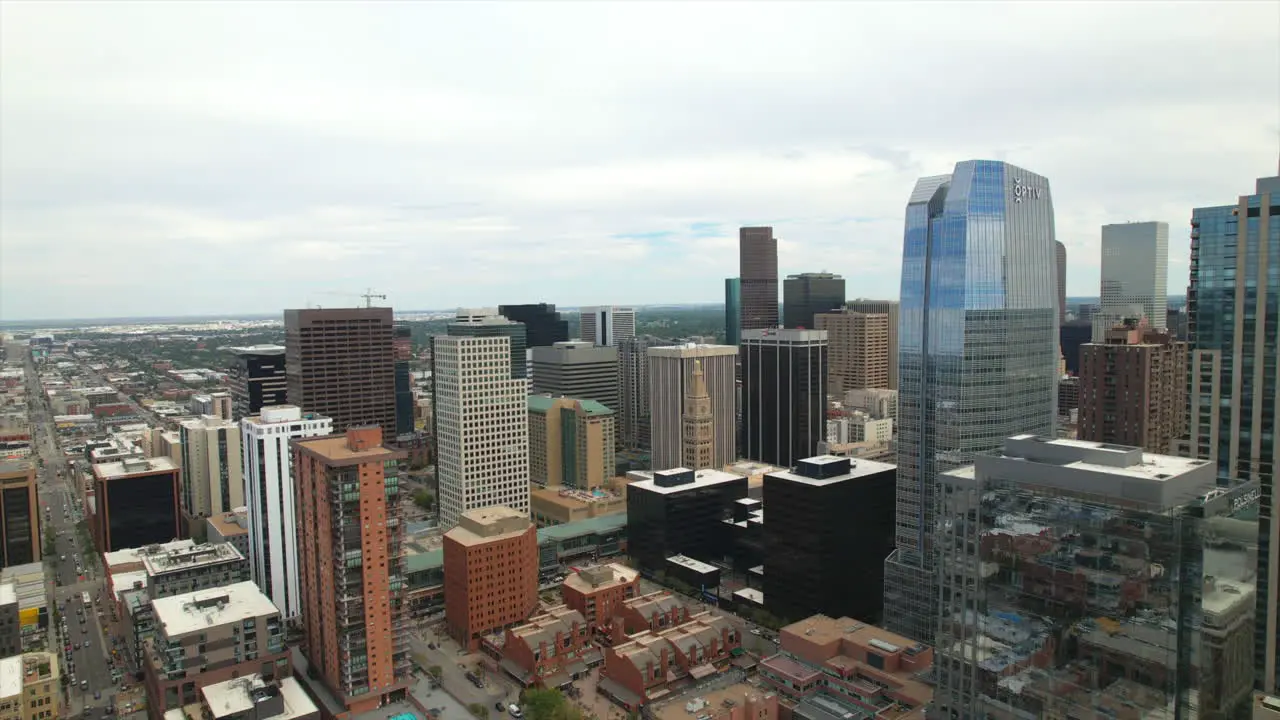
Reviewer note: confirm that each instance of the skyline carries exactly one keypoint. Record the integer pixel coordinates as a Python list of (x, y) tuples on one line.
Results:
[(171, 160)]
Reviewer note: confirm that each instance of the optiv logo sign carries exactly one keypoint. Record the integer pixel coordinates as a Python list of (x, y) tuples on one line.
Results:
[(1022, 191)]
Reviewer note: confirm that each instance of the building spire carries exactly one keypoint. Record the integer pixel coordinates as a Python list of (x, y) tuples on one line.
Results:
[(698, 432)]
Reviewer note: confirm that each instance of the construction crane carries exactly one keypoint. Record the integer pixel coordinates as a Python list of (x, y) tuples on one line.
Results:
[(369, 297)]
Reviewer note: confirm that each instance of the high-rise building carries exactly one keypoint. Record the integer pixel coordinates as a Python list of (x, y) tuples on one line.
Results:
[(698, 424), (807, 294), (217, 404), (19, 514), (491, 573), (339, 364), (976, 363), (633, 419), (257, 379), (882, 307), (784, 394), (136, 503), (1135, 275), (402, 349), (758, 278), (482, 427), (1061, 265), (859, 349), (487, 323), (271, 497), (732, 310), (212, 468), (543, 325), (571, 442), (1233, 305), (577, 369), (606, 326), (1071, 337), (350, 566), (679, 512), (670, 378), (1133, 388)]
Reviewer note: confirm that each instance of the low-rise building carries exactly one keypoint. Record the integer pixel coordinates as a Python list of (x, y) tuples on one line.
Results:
[(249, 698), (599, 592), (559, 505), (10, 625), (231, 528), (29, 687), (652, 612), (175, 571), (740, 701), (30, 587), (548, 651), (646, 665)]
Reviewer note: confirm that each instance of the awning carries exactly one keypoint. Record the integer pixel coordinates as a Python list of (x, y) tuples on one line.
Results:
[(736, 651), (613, 689), (701, 671), (512, 668), (557, 680), (576, 668), (593, 657)]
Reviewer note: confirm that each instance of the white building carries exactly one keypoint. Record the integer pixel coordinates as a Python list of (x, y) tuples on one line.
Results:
[(859, 427), (482, 427), (1135, 275), (269, 495), (606, 326)]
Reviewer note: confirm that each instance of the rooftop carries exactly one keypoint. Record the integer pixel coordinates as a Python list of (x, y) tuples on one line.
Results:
[(544, 403), (339, 448), (187, 613), (14, 468), (544, 628), (8, 593), (695, 565), (230, 524), (858, 469), (591, 579), (1101, 457), (701, 479), (707, 703), (276, 414), (482, 525), (133, 466), (11, 677), (178, 559), (129, 556), (258, 350), (692, 350), (241, 695)]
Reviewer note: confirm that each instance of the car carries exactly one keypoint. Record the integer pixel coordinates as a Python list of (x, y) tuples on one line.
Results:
[(499, 706), (514, 710), (84, 684), (755, 631), (86, 644)]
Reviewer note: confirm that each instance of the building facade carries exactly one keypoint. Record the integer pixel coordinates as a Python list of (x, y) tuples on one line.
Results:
[(543, 325), (20, 539), (1061, 265), (882, 307), (784, 394), (571, 442), (807, 294), (482, 427), (858, 349), (678, 512), (271, 497), (490, 573), (732, 310), (402, 347), (606, 326), (1135, 276), (599, 592), (758, 278), (1133, 388), (257, 379), (978, 349), (634, 426), (578, 369), (670, 379), (473, 323), (136, 503), (339, 363), (212, 470), (697, 421)]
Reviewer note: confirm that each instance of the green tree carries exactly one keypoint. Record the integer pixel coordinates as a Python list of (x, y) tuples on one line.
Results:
[(478, 710), (435, 671), (424, 499)]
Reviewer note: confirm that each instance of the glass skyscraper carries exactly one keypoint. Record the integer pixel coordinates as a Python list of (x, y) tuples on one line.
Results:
[(977, 351), (733, 311)]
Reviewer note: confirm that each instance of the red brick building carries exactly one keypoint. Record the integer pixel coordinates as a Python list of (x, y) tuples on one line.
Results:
[(551, 650), (599, 593), (654, 612), (651, 665), (490, 573), (1133, 388)]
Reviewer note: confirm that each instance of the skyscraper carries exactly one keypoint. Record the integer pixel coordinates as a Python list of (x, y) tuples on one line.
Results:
[(978, 350), (212, 483), (882, 307), (485, 322), (257, 379), (543, 325), (670, 378), (402, 348), (577, 369), (758, 275), (339, 363), (807, 294), (732, 311), (19, 514), (698, 424), (859, 349), (1062, 281), (606, 326), (784, 394), (482, 427), (1135, 275), (1233, 303), (633, 369)]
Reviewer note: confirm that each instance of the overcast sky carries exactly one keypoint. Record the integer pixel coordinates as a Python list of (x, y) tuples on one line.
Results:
[(184, 158)]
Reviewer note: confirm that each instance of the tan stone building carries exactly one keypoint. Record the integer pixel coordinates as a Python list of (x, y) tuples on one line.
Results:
[(1133, 388), (858, 349), (698, 424), (571, 442), (29, 687)]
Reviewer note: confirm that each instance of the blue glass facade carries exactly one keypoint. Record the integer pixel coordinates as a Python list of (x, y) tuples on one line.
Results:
[(733, 311), (977, 353)]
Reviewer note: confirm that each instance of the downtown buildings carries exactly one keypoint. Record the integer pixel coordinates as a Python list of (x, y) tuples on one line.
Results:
[(486, 322), (671, 377), (1133, 388), (257, 379), (543, 325), (757, 278), (578, 369), (859, 349), (784, 394), (20, 539), (212, 480), (978, 350), (1135, 275), (890, 309), (807, 294), (606, 326)]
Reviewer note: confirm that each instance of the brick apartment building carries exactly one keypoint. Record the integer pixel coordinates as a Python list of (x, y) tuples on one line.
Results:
[(653, 612), (491, 573), (599, 593), (650, 664), (551, 650), (1133, 388)]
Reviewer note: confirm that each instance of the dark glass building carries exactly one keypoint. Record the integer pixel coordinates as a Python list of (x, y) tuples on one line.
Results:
[(732, 311), (1071, 336), (136, 503), (758, 275), (402, 348), (19, 514), (807, 294), (257, 379), (828, 528), (680, 512), (497, 326), (543, 325), (784, 394)]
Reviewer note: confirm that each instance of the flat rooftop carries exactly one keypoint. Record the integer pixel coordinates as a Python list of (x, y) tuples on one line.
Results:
[(8, 593), (1102, 457), (695, 565), (858, 469), (11, 677), (336, 448), (194, 611), (709, 703), (490, 524), (238, 695), (133, 466), (227, 524), (189, 558), (701, 479), (591, 579), (130, 556)]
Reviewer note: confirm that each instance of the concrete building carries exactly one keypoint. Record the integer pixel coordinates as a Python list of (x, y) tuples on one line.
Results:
[(231, 528), (606, 326), (1135, 276), (858, 350), (271, 496), (551, 650), (29, 584), (807, 294), (578, 369), (491, 573), (250, 697), (758, 278), (856, 426), (879, 403), (482, 427), (634, 427), (671, 371), (599, 592), (571, 442), (1133, 388), (208, 637), (179, 569), (20, 540), (136, 503), (257, 379), (350, 564), (678, 512), (212, 468), (30, 687), (882, 307), (561, 505), (488, 323), (698, 424), (339, 363), (218, 404), (784, 394)]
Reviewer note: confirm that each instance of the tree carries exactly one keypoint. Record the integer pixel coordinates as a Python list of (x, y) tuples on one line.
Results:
[(478, 710), (549, 705), (435, 671), (424, 499)]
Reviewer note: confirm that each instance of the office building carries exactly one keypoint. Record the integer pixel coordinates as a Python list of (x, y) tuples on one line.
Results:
[(758, 278), (571, 442), (30, 687), (1133, 388), (634, 428), (879, 403), (257, 379), (20, 540), (598, 592), (136, 503), (1235, 374), (578, 369), (543, 325), (10, 620), (482, 427), (882, 307), (339, 364), (976, 364), (784, 394), (670, 380), (208, 637), (1061, 265), (1071, 337), (1124, 552), (485, 322), (271, 497), (252, 697), (858, 350), (490, 573), (402, 350), (1135, 276), (231, 528), (212, 468), (732, 310), (678, 512), (606, 326), (829, 528), (350, 565), (807, 294)]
